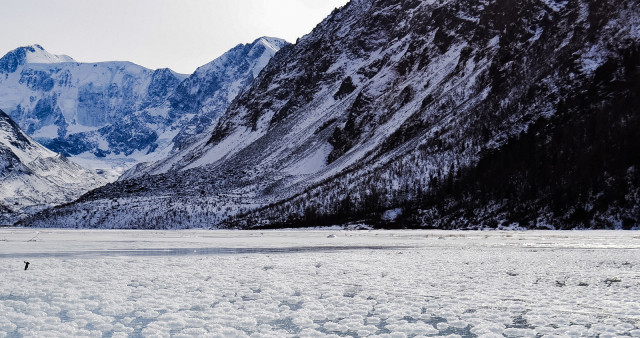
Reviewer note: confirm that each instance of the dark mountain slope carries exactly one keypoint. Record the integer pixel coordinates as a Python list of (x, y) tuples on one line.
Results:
[(570, 185), (576, 169)]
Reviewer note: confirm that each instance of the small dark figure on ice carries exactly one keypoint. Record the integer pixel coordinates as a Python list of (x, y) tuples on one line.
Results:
[(26, 265)]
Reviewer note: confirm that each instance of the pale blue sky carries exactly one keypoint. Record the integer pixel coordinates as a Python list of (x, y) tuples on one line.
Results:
[(179, 34)]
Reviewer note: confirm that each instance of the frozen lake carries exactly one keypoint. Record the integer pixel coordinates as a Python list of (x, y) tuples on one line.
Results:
[(107, 283)]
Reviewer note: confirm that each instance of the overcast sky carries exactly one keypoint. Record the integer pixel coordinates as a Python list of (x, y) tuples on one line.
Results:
[(179, 34)]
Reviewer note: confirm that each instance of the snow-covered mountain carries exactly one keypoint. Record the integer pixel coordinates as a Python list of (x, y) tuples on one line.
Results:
[(207, 93), (386, 108), (99, 114), (115, 114), (212, 87), (17, 58), (33, 177)]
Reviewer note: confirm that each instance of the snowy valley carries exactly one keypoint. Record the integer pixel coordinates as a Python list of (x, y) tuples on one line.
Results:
[(446, 114), (342, 174)]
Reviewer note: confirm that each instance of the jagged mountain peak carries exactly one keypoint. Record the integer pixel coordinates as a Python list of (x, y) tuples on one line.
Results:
[(267, 45), (12, 137), (29, 55), (274, 44), (37, 54), (207, 93), (212, 87)]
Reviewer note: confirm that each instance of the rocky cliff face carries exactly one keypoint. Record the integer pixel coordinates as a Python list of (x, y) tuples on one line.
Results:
[(33, 177), (387, 106)]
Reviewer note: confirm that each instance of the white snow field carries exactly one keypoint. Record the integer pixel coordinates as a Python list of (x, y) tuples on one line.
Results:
[(107, 283)]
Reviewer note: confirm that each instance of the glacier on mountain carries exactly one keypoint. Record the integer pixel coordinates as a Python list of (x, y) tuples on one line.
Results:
[(112, 115)]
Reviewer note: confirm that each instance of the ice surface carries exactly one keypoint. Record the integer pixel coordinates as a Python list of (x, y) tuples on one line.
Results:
[(302, 283)]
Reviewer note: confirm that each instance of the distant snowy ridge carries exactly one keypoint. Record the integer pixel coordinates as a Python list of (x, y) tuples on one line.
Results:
[(112, 115), (101, 114), (33, 177)]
